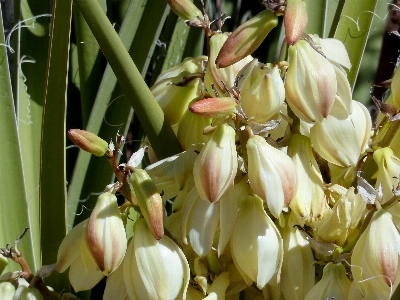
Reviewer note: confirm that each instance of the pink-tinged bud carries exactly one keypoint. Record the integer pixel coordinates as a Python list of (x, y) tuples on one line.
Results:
[(185, 9), (375, 257), (216, 165), (246, 38), (295, 20), (227, 75), (214, 107), (88, 141), (105, 234), (272, 174), (150, 202), (310, 83)]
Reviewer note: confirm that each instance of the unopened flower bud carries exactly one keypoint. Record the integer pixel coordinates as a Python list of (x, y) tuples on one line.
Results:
[(185, 9), (272, 174), (28, 293), (7, 290), (214, 107), (309, 200), (310, 83), (256, 244), (216, 165), (88, 141), (246, 38), (105, 234), (333, 285), (375, 257), (295, 20), (154, 269), (215, 76), (150, 202), (264, 97), (341, 138)]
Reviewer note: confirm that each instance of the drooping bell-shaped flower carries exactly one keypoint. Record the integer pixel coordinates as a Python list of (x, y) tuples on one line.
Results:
[(216, 165), (333, 285), (84, 273), (298, 256), (246, 38), (310, 83), (215, 76), (341, 138), (105, 234), (150, 201), (154, 269), (295, 20), (263, 93), (256, 244), (271, 173), (375, 257), (309, 200)]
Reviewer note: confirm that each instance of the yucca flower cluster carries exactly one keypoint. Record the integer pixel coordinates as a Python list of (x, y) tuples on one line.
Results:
[(269, 195)]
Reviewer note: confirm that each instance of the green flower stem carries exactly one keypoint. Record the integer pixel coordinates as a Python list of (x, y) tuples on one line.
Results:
[(159, 132)]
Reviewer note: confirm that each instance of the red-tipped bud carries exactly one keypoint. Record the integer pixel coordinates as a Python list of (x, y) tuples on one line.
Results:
[(295, 20), (185, 9), (246, 38), (88, 141), (150, 202), (214, 107)]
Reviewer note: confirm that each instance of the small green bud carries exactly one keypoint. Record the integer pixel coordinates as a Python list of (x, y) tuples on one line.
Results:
[(88, 141), (185, 9), (214, 107), (150, 202), (246, 38), (295, 20)]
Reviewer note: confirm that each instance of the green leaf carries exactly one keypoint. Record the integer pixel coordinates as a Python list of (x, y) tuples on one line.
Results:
[(13, 199), (353, 30), (316, 10), (29, 85), (53, 175), (91, 63)]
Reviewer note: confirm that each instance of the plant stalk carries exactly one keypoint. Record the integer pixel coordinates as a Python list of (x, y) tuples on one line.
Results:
[(159, 132)]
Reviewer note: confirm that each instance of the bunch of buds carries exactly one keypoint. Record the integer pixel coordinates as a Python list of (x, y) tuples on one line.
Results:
[(284, 190)]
